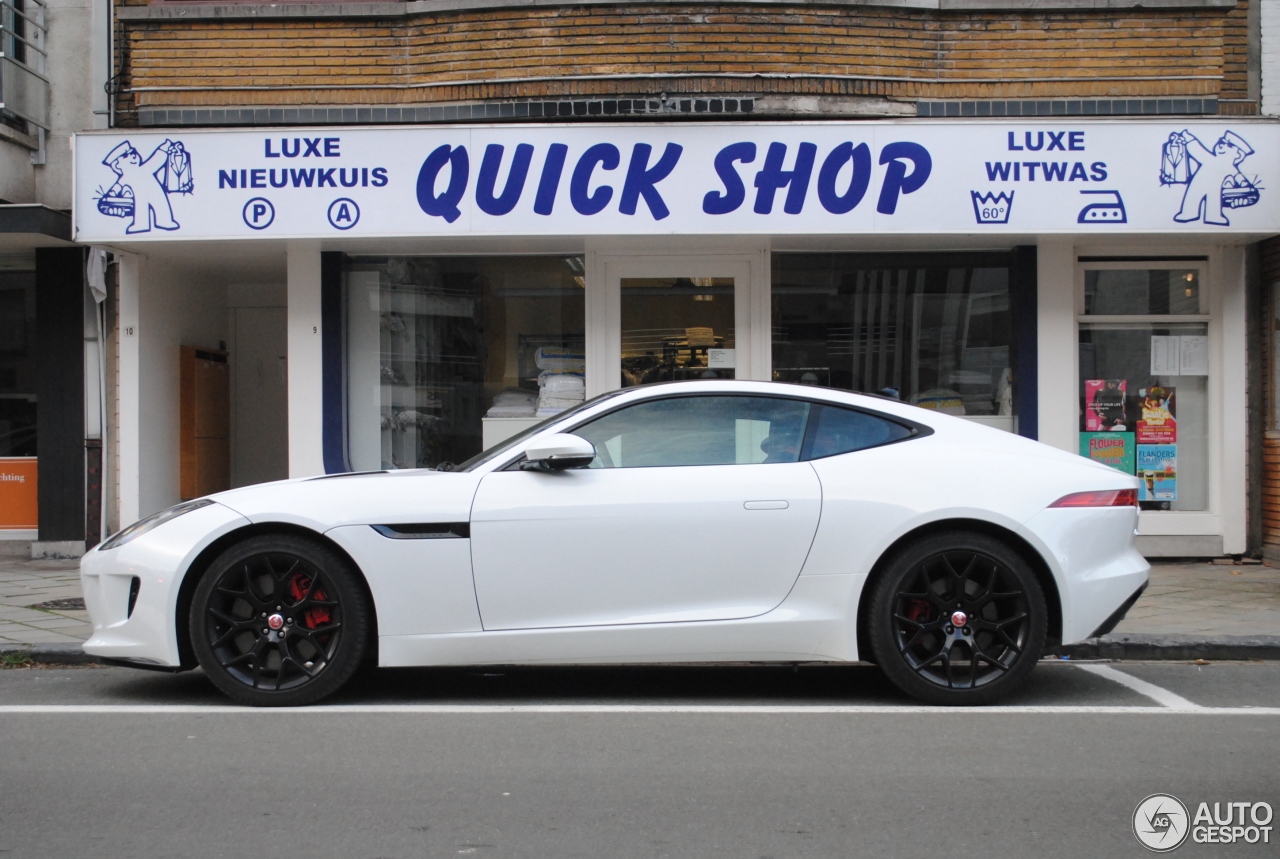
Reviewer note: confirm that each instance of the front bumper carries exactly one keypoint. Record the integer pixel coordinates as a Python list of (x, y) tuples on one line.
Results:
[(147, 636)]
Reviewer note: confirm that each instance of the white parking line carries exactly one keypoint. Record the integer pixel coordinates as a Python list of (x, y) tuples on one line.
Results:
[(569, 709), (1156, 693)]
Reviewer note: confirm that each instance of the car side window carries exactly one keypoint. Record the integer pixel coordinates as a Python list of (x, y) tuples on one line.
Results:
[(699, 430), (833, 430)]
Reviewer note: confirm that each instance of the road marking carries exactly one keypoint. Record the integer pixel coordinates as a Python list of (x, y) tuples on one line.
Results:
[(763, 709), (1156, 693)]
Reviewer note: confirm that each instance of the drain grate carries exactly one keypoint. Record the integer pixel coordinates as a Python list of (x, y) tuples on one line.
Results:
[(70, 604)]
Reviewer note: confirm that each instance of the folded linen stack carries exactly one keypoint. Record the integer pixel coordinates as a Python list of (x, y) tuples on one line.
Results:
[(513, 403), (559, 390)]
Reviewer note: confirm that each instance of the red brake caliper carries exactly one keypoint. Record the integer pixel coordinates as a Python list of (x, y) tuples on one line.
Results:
[(919, 611), (313, 617)]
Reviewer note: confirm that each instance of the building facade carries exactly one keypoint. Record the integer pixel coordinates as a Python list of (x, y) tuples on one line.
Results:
[(406, 232)]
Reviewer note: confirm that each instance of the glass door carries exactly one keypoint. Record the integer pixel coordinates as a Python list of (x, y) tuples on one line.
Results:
[(674, 319)]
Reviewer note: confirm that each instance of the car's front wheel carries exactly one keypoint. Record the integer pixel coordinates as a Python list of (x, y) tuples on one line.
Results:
[(957, 618), (279, 621)]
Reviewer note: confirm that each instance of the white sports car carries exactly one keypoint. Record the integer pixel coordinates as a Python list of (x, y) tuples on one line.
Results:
[(687, 522)]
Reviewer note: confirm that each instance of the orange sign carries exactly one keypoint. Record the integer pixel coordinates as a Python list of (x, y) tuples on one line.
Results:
[(19, 500)]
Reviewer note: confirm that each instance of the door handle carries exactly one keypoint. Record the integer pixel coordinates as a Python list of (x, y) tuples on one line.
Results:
[(765, 505)]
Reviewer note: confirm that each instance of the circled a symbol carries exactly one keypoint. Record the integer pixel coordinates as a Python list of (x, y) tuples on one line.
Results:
[(258, 213), (1161, 823), (343, 213)]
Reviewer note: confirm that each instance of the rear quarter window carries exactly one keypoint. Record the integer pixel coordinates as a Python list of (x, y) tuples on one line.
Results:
[(833, 430)]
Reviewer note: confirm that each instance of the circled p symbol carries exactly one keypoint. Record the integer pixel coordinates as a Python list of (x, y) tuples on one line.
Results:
[(258, 213)]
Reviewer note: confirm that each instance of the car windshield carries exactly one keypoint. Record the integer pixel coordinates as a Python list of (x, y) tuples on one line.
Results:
[(507, 444)]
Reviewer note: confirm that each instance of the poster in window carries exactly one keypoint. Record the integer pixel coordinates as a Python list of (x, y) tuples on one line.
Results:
[(1157, 423), (1158, 472), (1115, 449), (1104, 405), (19, 497)]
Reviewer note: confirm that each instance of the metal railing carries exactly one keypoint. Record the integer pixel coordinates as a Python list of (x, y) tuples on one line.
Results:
[(24, 89)]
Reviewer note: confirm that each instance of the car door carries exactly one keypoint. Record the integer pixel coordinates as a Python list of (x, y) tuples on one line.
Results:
[(695, 508)]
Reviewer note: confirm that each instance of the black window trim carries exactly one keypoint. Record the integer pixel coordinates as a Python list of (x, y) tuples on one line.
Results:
[(918, 430)]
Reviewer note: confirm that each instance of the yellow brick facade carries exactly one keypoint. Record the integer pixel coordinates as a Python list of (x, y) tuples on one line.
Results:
[(607, 50)]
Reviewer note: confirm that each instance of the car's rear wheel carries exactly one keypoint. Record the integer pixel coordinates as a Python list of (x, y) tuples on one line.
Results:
[(279, 621), (957, 618)]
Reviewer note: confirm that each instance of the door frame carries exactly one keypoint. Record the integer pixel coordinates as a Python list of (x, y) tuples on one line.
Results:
[(605, 272)]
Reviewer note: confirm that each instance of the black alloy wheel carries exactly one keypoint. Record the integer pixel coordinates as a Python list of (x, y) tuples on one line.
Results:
[(958, 618), (279, 621)]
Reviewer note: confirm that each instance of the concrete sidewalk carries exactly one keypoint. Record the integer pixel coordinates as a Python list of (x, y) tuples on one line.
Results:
[(1189, 610)]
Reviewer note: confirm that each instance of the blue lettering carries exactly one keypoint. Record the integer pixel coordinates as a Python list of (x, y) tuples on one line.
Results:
[(1055, 140), (604, 154), (1013, 147), (545, 201), (364, 177), (1075, 141), (833, 202), (244, 178), (325, 177), (270, 154), (772, 178), (302, 178), (642, 179), (284, 147), (1031, 169), (1054, 170), (284, 179), (259, 211), (226, 180), (379, 177), (999, 170), (313, 147), (715, 203), (1077, 172), (343, 213), (1099, 171), (446, 205), (1039, 140), (896, 179), (355, 177), (488, 179), (257, 178), (331, 147)]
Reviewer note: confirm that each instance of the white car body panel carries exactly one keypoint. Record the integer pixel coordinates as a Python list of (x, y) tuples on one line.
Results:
[(150, 634), (590, 547), (779, 583)]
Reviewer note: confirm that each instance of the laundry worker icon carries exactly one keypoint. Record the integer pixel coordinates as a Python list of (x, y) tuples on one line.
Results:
[(150, 197), (1219, 172)]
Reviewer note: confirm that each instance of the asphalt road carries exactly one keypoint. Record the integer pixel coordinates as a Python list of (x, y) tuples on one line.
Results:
[(823, 761)]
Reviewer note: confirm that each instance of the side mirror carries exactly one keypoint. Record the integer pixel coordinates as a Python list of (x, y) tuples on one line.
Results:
[(557, 452)]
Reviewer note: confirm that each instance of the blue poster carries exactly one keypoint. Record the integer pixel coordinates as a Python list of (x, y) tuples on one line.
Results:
[(1158, 472)]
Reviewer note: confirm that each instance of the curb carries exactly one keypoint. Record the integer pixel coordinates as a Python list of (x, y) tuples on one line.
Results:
[(1174, 646), (60, 653)]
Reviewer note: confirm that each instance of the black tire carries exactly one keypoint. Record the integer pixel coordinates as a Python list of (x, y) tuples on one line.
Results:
[(279, 621), (913, 608)]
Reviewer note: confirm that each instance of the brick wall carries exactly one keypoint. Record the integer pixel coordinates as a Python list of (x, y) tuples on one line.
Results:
[(881, 52)]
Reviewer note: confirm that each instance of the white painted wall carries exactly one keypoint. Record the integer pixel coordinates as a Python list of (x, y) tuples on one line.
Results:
[(1229, 307), (162, 307), (1269, 11), (1056, 343), (306, 454)]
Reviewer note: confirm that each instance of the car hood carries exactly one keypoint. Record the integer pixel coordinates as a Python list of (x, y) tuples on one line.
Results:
[(374, 498)]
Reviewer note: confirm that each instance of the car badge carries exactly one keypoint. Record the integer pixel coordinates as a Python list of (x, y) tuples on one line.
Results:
[(276, 621), (959, 619)]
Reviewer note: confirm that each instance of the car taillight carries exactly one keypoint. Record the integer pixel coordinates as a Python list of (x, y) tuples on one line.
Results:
[(1102, 498)]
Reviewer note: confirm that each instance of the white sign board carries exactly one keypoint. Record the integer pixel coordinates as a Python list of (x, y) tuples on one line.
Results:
[(909, 177)]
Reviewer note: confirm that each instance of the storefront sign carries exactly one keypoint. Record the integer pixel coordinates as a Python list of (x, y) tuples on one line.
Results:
[(909, 177), (19, 498)]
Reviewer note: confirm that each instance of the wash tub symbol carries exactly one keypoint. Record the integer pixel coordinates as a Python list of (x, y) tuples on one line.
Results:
[(1108, 210), (992, 208)]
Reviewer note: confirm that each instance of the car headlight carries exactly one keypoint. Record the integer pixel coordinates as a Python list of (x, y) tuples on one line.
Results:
[(142, 526)]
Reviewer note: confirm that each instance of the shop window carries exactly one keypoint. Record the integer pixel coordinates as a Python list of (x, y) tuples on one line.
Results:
[(17, 365), (1144, 381), (930, 329), (436, 346)]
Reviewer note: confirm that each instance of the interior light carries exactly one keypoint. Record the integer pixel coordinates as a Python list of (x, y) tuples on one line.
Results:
[(704, 298), (1100, 498), (1191, 275)]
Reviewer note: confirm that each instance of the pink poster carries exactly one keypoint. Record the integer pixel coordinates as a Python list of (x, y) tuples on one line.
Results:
[(1104, 405)]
